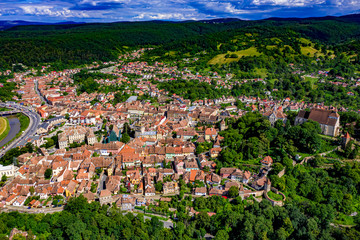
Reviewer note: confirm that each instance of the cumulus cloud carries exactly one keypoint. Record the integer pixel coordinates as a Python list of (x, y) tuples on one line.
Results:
[(51, 11), (114, 10)]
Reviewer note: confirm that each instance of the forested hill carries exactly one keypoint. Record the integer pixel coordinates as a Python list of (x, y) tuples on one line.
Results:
[(74, 44)]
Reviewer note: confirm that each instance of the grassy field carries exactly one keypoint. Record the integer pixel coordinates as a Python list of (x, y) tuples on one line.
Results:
[(274, 196), (220, 59), (344, 220), (262, 72), (4, 128), (312, 80), (310, 51), (306, 41), (171, 53)]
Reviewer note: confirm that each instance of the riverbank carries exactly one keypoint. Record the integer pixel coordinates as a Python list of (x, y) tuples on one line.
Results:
[(4, 128), (14, 129), (24, 124)]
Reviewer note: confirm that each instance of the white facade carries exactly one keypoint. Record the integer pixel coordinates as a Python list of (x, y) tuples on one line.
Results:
[(9, 171)]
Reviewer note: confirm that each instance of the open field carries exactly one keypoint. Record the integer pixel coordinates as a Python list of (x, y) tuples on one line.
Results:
[(312, 80), (274, 196), (220, 59), (262, 72), (310, 51)]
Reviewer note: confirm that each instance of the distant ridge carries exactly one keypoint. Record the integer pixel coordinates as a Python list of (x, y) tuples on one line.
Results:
[(8, 24), (351, 17), (221, 20)]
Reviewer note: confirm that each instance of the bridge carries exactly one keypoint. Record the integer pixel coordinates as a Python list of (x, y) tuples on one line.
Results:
[(3, 113)]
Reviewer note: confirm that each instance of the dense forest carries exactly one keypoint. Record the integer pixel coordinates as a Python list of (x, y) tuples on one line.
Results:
[(76, 44), (235, 219), (252, 136)]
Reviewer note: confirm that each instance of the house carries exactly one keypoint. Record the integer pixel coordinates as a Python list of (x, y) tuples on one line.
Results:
[(149, 190), (228, 185), (214, 152), (10, 200), (210, 133), (226, 172), (274, 115), (237, 175), (19, 201), (105, 197), (15, 232), (216, 191), (200, 191), (127, 202), (262, 183), (191, 165), (246, 177), (213, 179), (329, 120), (171, 188), (267, 161)]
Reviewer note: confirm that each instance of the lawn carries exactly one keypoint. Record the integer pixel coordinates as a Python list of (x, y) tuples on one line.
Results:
[(24, 123), (311, 51), (312, 80), (343, 219), (306, 41), (220, 59), (171, 53), (326, 145), (4, 128), (261, 71), (274, 196)]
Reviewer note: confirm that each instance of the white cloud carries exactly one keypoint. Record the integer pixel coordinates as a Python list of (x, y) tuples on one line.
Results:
[(288, 3), (52, 11), (165, 16)]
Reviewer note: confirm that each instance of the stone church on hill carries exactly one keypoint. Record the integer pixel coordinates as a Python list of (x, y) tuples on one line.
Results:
[(329, 120)]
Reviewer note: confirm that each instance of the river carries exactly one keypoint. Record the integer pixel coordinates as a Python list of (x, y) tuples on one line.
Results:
[(15, 128)]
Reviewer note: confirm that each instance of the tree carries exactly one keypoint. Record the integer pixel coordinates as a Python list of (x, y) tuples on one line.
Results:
[(125, 138), (48, 173), (159, 186), (4, 178), (348, 149), (317, 161), (233, 191), (32, 190), (222, 235)]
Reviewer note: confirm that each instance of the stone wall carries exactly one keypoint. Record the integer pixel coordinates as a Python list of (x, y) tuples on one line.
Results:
[(281, 173), (273, 202)]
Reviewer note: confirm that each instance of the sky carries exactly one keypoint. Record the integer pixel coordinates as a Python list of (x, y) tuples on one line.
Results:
[(178, 10)]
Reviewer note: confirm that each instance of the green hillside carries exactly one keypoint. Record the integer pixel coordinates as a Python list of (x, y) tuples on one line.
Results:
[(76, 44)]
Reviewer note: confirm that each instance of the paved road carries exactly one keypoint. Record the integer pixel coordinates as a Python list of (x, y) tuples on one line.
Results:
[(101, 185), (23, 209), (38, 93), (29, 132)]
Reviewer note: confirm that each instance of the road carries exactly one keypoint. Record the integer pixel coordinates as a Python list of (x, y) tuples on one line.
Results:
[(23, 209), (38, 93), (28, 133), (167, 224), (102, 186)]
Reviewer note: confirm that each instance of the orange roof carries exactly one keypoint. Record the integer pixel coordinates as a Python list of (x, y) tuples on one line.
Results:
[(127, 149), (193, 175)]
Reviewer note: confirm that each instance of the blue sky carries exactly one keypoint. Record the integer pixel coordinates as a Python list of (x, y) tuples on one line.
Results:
[(140, 10)]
